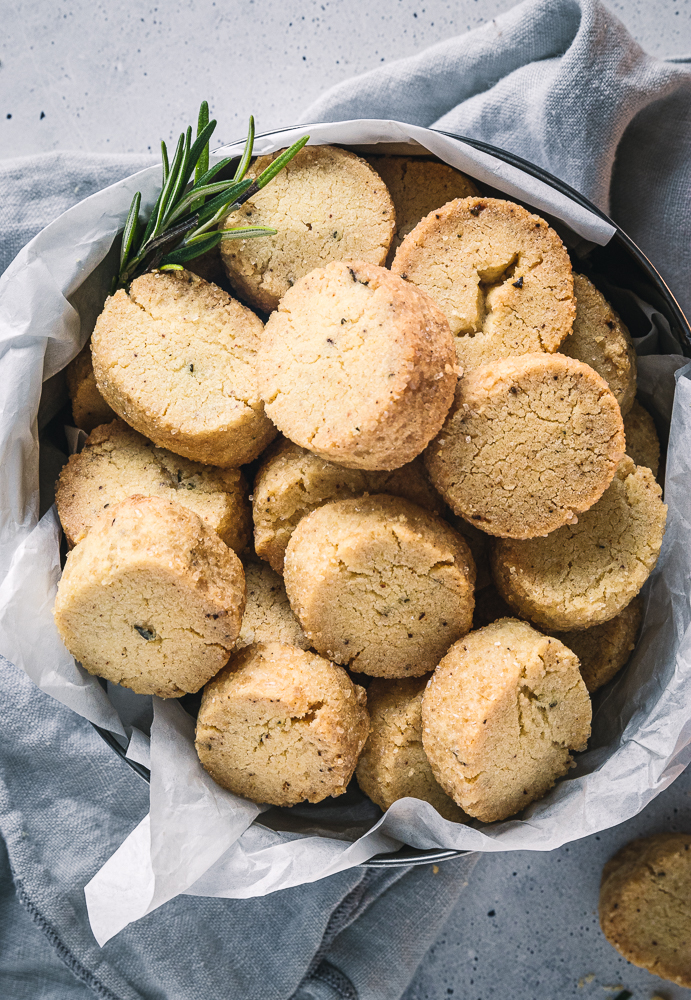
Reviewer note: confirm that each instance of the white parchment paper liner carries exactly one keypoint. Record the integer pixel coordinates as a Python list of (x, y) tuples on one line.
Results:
[(199, 838)]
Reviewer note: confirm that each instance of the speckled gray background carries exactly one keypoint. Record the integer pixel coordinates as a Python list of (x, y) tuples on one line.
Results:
[(107, 77)]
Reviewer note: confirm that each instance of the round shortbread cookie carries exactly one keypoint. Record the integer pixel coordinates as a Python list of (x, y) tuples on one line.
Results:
[(604, 649), (588, 572), (175, 358), (528, 443), (393, 764), (644, 904), (357, 366), (117, 462), (501, 275), (293, 482), (642, 442), (151, 599), (601, 340), (327, 204), (500, 715), (281, 725), (268, 616), (89, 408), (417, 187), (380, 585)]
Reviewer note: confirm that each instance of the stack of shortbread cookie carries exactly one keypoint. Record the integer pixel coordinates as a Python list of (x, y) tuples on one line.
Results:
[(449, 533)]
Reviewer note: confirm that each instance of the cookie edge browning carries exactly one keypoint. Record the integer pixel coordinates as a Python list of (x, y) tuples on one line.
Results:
[(617, 872)]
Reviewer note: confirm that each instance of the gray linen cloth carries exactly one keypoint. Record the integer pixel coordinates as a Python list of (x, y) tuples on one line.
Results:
[(559, 82)]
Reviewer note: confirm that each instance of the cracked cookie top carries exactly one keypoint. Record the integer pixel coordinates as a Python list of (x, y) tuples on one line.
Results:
[(589, 571), (357, 366), (500, 715), (281, 725), (380, 585), (327, 204), (529, 443), (175, 358), (117, 462), (151, 599), (501, 275)]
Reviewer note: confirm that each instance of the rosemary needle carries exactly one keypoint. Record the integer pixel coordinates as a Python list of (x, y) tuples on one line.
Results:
[(191, 204)]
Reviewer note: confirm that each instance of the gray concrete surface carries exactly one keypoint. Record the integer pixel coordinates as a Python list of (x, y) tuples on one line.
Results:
[(106, 77)]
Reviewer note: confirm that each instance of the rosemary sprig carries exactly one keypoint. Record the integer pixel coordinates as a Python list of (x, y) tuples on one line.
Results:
[(183, 221)]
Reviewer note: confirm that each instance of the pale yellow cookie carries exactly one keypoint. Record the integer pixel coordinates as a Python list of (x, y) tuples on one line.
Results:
[(327, 204), (292, 482), (642, 442), (380, 585), (393, 764), (357, 366), (501, 275), (175, 358), (528, 444), (644, 904), (117, 462), (604, 649), (417, 187), (500, 715), (601, 340), (587, 572), (280, 725), (151, 599), (89, 408), (268, 616)]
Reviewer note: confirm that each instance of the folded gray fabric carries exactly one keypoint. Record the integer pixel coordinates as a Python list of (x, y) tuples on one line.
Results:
[(559, 82)]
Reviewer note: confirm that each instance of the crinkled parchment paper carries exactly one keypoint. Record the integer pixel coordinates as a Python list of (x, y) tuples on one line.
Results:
[(199, 838)]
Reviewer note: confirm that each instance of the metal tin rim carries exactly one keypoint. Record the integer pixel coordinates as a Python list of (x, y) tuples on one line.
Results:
[(409, 856)]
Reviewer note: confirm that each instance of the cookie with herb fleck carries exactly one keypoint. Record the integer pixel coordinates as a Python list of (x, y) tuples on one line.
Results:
[(357, 366), (589, 571), (501, 275), (117, 462), (600, 339), (292, 482), (89, 408), (644, 904), (604, 649), (529, 443), (175, 358), (281, 725), (642, 442), (417, 187), (326, 204), (393, 764), (500, 715), (268, 616), (380, 585), (151, 599)]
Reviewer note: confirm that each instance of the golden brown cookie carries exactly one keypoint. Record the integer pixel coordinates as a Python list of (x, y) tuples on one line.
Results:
[(380, 585), (644, 904), (357, 366), (500, 715), (604, 649), (588, 572), (642, 442), (292, 482), (528, 444), (268, 616), (500, 274), (117, 462), (280, 725), (327, 204), (175, 358), (393, 764), (151, 599), (417, 187), (601, 340), (89, 408)]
